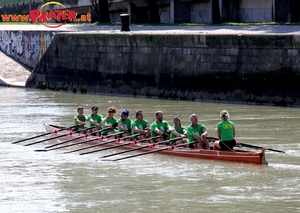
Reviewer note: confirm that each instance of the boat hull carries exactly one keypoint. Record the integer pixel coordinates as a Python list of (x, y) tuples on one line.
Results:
[(254, 157)]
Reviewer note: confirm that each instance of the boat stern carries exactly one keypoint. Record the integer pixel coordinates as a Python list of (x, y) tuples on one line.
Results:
[(263, 157)]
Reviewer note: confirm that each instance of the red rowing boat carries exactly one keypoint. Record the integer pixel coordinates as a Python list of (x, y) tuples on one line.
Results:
[(245, 156)]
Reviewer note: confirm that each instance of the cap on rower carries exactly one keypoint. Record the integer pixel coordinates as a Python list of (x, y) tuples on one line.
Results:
[(125, 112), (223, 113), (176, 118), (94, 107)]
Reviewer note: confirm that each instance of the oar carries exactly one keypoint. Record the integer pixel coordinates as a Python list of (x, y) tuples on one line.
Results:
[(170, 148), (81, 142), (141, 147), (258, 147), (112, 147), (83, 136), (100, 144), (252, 146), (48, 133), (59, 136), (73, 139)]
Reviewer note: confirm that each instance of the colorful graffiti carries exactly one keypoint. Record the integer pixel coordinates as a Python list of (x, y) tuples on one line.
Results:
[(26, 47)]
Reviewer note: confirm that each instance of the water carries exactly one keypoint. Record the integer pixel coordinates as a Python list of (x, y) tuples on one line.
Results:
[(56, 182)]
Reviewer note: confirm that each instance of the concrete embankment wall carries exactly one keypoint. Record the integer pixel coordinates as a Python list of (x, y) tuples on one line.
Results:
[(262, 69)]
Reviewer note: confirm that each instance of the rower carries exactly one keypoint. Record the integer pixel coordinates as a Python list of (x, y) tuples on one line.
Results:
[(178, 131), (79, 119), (124, 123), (109, 121), (95, 119), (198, 132), (226, 133), (140, 125), (160, 127)]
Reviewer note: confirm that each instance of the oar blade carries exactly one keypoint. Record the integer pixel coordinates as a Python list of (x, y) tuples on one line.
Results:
[(41, 150), (107, 160), (275, 150)]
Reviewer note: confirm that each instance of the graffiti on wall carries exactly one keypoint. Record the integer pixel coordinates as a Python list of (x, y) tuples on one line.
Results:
[(26, 47)]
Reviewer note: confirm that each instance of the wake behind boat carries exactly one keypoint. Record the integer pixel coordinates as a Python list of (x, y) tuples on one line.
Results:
[(245, 156)]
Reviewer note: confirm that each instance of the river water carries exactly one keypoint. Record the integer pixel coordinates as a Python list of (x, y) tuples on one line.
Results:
[(55, 182)]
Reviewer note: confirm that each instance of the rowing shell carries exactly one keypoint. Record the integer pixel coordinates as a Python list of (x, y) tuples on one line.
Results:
[(255, 156)]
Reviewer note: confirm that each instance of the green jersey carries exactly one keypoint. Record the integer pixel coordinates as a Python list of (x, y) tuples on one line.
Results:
[(82, 118), (109, 121), (163, 126), (180, 131), (97, 118), (125, 124), (140, 125), (197, 131), (226, 128)]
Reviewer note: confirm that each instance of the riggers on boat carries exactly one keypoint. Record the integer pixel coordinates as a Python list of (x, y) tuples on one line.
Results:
[(245, 156)]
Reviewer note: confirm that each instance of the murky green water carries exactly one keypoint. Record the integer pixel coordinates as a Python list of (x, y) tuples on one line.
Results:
[(55, 182)]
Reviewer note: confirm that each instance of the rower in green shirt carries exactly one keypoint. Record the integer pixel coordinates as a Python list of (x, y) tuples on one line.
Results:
[(124, 123), (197, 132), (95, 119), (178, 131), (160, 127), (140, 126), (226, 133), (79, 119), (109, 121)]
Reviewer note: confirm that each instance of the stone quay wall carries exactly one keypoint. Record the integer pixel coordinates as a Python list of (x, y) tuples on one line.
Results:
[(260, 69)]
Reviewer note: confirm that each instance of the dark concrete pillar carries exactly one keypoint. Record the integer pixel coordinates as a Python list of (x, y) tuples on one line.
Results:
[(230, 9), (282, 11), (215, 12), (125, 22), (181, 12), (294, 10)]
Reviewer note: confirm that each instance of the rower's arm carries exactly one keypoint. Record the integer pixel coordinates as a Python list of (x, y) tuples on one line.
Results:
[(93, 122), (185, 133), (107, 125), (219, 134), (121, 126), (79, 121), (157, 131), (169, 129), (200, 138), (147, 127), (140, 131), (204, 133), (197, 137), (176, 133)]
